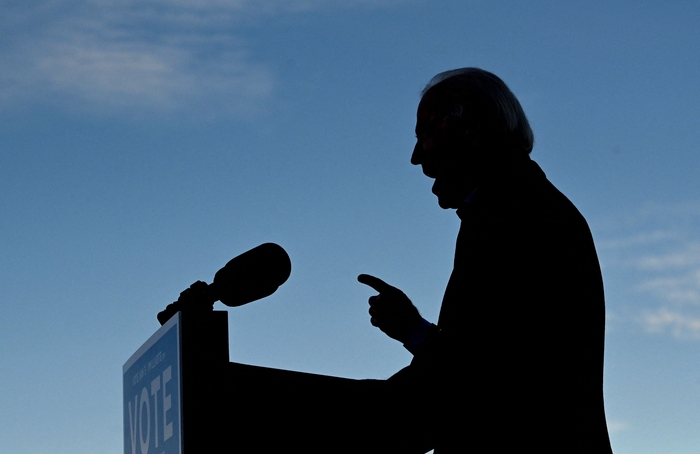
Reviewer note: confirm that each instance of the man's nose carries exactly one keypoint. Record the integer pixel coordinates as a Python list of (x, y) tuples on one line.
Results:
[(417, 156)]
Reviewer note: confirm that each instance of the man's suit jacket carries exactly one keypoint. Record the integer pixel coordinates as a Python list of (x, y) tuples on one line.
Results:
[(515, 363)]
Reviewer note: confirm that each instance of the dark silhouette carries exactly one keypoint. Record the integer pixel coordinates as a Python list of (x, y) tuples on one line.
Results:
[(515, 362)]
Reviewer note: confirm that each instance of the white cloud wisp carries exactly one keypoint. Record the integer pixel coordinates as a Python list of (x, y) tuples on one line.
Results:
[(148, 57), (662, 258)]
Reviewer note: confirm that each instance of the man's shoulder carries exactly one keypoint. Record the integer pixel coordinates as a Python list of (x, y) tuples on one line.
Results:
[(526, 205), (525, 188)]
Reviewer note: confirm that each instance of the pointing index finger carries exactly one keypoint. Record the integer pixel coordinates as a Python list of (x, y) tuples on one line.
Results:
[(374, 282)]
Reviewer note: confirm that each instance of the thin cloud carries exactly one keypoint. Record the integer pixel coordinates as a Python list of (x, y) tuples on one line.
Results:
[(660, 262), (689, 256), (154, 75), (96, 61), (639, 239), (266, 6), (665, 320), (615, 427), (675, 289), (155, 55)]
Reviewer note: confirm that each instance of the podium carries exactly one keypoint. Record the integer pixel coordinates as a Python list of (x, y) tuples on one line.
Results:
[(167, 384), (183, 396)]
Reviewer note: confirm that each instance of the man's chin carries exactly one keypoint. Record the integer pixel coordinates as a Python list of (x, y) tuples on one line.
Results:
[(450, 199)]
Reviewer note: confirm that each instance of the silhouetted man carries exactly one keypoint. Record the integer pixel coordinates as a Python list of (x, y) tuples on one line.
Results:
[(515, 362)]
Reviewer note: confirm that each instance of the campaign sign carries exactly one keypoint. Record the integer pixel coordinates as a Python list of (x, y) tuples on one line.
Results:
[(152, 394)]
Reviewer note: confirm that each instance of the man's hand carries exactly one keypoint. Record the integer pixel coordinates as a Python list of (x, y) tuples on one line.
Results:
[(391, 310)]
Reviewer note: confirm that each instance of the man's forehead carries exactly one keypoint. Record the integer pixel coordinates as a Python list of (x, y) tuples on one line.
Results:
[(428, 114)]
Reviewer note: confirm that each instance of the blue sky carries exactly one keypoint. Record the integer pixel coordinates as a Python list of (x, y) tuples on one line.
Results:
[(144, 144)]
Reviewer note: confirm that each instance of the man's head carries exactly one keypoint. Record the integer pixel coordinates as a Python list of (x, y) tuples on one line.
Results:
[(469, 127)]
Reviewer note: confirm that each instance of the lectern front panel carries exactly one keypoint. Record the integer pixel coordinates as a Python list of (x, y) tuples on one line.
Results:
[(152, 394)]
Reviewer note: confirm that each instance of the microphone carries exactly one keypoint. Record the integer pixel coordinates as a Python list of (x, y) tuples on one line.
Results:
[(252, 275), (248, 277)]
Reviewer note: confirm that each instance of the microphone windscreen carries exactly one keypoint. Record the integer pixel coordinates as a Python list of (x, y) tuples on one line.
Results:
[(252, 275)]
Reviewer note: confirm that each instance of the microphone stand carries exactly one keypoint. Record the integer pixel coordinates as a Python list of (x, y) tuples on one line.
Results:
[(198, 298)]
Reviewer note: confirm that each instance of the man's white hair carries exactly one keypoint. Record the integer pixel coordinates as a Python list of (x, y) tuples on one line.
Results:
[(481, 99)]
